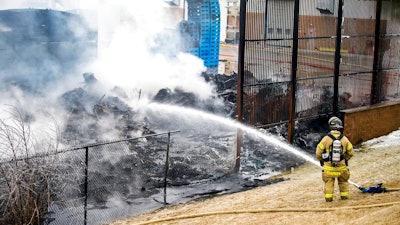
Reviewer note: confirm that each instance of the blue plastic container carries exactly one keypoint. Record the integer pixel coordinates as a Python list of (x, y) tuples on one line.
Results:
[(207, 14)]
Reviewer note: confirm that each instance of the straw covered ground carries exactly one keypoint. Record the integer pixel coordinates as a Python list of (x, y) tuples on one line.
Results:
[(299, 199)]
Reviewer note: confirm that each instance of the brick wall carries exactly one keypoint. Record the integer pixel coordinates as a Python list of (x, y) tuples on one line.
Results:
[(365, 123)]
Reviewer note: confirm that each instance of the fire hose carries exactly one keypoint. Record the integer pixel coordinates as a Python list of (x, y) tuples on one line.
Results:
[(373, 189), (253, 211)]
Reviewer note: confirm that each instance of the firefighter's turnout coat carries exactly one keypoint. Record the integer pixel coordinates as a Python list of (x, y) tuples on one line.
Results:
[(331, 172)]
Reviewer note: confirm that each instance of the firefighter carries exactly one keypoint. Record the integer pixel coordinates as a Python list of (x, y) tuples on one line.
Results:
[(333, 151)]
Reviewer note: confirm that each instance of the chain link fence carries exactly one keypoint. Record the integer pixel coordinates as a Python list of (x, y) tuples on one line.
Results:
[(102, 182), (313, 58)]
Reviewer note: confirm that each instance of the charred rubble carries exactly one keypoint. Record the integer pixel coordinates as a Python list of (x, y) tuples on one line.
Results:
[(88, 111), (84, 104), (225, 87)]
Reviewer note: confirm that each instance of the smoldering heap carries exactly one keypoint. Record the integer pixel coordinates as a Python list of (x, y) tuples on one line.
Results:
[(88, 110), (83, 104)]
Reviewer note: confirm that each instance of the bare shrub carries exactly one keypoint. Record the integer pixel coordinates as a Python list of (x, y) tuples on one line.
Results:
[(26, 165)]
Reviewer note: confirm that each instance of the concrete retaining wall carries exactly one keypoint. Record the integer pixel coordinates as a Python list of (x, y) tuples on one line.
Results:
[(365, 123)]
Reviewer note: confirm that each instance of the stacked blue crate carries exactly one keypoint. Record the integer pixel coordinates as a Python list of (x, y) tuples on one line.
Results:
[(207, 14)]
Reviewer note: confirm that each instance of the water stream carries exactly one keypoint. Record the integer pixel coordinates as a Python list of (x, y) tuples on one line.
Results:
[(192, 115)]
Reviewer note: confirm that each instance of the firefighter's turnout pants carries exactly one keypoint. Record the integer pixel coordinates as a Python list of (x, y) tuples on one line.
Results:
[(329, 175)]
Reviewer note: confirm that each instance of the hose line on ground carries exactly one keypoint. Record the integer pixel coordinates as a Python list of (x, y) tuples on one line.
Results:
[(392, 189), (266, 211)]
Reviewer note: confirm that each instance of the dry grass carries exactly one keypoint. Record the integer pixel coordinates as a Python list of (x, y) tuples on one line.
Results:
[(299, 199)]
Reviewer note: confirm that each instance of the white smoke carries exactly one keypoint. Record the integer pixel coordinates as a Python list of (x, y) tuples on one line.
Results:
[(135, 46), (49, 4), (134, 51)]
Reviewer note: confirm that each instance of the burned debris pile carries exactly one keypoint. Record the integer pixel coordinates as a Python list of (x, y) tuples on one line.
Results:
[(86, 104), (223, 104), (93, 117)]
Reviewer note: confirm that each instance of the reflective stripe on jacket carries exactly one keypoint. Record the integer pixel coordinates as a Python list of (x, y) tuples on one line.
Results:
[(334, 171)]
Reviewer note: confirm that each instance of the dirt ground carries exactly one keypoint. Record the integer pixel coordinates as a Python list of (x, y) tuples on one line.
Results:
[(299, 199)]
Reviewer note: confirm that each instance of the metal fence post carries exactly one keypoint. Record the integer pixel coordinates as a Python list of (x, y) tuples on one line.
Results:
[(293, 85), (376, 85), (86, 185), (241, 55), (166, 169), (338, 59)]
